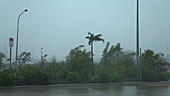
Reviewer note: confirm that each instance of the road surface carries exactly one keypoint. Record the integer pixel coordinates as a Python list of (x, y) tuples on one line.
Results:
[(108, 90)]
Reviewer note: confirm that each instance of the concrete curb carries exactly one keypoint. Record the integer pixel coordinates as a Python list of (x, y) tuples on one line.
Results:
[(89, 84)]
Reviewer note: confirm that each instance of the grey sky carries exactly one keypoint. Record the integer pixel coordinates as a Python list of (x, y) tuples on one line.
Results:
[(57, 26)]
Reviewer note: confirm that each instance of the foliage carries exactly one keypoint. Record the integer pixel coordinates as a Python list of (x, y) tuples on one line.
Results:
[(91, 39), (79, 60), (5, 79), (2, 56), (116, 78), (149, 75), (129, 73), (153, 61), (30, 74), (24, 57), (121, 63), (43, 62), (104, 72), (57, 72), (74, 77), (115, 66), (96, 79), (164, 76), (112, 55), (153, 66)]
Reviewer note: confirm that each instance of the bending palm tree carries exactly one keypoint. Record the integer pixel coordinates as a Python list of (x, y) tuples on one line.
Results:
[(92, 38)]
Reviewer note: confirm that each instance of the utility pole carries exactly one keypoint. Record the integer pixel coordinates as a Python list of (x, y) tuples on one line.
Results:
[(41, 54), (137, 42), (140, 67)]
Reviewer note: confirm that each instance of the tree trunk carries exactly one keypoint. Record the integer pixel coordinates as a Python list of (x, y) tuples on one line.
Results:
[(92, 63)]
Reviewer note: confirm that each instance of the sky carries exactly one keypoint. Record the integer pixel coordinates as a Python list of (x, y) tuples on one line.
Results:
[(58, 26)]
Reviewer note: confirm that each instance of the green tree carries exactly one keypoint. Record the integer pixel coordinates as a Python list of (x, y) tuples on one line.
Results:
[(112, 55), (24, 57), (153, 61), (91, 39), (118, 49), (2, 56), (120, 62), (78, 60), (43, 62), (153, 66)]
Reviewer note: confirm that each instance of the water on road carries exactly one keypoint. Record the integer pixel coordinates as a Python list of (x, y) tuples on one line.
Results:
[(113, 90)]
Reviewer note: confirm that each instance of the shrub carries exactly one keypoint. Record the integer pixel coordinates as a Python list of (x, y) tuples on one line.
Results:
[(96, 79), (5, 80), (149, 75), (164, 76), (116, 78), (32, 75), (74, 77)]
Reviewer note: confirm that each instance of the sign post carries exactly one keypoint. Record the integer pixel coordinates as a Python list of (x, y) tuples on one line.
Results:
[(11, 44)]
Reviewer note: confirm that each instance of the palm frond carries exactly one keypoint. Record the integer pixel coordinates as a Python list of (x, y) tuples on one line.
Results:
[(99, 35), (89, 33), (88, 37), (90, 41), (98, 39)]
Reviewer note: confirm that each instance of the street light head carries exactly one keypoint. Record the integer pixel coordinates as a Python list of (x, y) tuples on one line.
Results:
[(26, 10)]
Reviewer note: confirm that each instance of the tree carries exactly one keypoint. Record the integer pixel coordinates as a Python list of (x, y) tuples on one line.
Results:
[(91, 39), (154, 66), (2, 56), (79, 61), (110, 56), (43, 61), (24, 57), (121, 63), (153, 61), (118, 49)]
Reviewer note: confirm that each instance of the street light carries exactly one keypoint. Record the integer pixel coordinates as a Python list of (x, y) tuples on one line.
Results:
[(18, 34)]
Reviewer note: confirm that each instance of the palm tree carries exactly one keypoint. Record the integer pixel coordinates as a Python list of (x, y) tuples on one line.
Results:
[(118, 49), (93, 38)]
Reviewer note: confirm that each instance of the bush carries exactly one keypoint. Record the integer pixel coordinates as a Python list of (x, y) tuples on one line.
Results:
[(32, 75), (116, 78), (104, 73), (5, 80), (149, 75), (96, 79), (74, 77), (164, 76)]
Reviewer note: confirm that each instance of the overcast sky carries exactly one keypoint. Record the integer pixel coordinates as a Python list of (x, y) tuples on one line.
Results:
[(58, 26)]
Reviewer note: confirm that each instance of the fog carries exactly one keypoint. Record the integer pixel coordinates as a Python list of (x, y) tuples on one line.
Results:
[(58, 26)]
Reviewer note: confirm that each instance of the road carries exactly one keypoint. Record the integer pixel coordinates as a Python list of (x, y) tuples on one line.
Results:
[(113, 90)]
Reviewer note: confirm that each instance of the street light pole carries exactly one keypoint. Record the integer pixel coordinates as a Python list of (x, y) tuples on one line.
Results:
[(18, 34), (137, 43), (41, 54)]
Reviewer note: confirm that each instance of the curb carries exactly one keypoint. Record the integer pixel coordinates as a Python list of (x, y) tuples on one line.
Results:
[(90, 84)]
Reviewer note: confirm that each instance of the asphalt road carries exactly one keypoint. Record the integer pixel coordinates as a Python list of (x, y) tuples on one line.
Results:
[(108, 90)]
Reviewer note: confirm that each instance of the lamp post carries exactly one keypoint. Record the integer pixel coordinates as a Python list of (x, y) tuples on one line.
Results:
[(137, 44), (18, 34), (41, 54)]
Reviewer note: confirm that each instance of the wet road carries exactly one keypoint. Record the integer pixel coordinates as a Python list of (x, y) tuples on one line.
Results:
[(114, 90)]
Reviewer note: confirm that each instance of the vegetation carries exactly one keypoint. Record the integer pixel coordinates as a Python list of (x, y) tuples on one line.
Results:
[(91, 39), (115, 66)]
